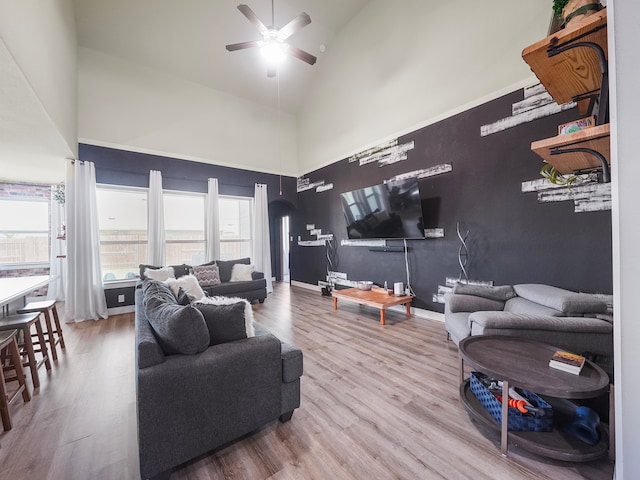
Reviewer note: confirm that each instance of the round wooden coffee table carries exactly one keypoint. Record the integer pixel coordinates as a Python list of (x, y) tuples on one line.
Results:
[(525, 364)]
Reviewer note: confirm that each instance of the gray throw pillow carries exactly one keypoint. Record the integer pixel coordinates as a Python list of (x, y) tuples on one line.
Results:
[(179, 329), (225, 267), (501, 293), (225, 322)]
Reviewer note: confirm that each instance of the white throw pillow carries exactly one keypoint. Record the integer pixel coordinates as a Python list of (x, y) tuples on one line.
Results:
[(188, 283), (159, 274), (241, 273), (248, 310)]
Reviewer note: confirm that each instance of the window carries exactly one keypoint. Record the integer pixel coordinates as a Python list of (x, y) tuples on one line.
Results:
[(235, 227), (24, 231), (122, 217), (184, 228)]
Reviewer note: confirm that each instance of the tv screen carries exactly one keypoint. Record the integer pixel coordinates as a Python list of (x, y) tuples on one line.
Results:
[(390, 210)]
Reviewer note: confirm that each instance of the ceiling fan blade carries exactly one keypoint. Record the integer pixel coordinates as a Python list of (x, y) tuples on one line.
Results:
[(293, 26), (271, 71), (302, 55), (253, 18), (242, 45)]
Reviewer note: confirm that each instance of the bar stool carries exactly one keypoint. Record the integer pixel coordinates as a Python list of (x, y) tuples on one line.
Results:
[(23, 323), (44, 307), (9, 346)]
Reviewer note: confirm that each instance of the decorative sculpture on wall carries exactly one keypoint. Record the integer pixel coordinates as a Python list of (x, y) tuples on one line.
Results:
[(331, 260), (463, 254)]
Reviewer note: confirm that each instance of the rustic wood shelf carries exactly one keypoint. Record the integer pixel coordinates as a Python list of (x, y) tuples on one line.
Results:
[(575, 72), (594, 138)]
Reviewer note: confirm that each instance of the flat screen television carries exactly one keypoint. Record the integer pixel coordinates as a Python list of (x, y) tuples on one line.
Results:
[(390, 210)]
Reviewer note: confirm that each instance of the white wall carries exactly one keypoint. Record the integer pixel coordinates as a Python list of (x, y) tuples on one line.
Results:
[(624, 17), (41, 37), (401, 65), (129, 106)]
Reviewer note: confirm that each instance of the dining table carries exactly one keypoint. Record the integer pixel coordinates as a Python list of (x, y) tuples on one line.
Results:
[(14, 288)]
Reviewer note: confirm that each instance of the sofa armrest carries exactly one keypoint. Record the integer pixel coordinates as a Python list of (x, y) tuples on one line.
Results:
[(257, 275), (457, 302), (205, 400), (291, 362)]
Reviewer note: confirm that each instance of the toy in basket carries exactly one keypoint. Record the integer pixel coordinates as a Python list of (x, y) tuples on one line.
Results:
[(531, 415)]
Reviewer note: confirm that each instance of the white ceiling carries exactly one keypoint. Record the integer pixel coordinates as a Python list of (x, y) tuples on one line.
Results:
[(187, 39)]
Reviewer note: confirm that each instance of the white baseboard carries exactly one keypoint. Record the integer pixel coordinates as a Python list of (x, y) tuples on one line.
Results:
[(418, 312)]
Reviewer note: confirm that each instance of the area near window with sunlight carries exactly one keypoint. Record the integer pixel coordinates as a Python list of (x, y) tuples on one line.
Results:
[(184, 228), (24, 231), (122, 216), (235, 227)]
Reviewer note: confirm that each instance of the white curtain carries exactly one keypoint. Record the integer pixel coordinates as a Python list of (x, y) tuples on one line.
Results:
[(261, 241), (211, 222), (85, 294), (155, 206), (58, 262)]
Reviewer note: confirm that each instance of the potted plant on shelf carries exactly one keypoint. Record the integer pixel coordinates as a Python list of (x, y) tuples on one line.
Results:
[(550, 172), (574, 11)]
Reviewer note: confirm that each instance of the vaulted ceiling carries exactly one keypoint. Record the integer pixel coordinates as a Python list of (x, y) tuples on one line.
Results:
[(187, 39)]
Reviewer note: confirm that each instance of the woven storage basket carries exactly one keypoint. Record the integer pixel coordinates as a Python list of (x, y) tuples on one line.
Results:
[(517, 420)]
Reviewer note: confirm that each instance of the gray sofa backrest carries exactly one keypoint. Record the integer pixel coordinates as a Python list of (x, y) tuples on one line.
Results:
[(565, 301)]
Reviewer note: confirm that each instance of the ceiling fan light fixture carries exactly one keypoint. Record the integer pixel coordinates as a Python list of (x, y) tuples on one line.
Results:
[(274, 52)]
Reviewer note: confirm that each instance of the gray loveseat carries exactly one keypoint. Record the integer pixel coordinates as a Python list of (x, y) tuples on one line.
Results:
[(193, 402), (577, 322)]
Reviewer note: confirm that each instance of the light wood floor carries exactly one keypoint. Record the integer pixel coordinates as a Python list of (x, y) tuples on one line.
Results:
[(378, 402)]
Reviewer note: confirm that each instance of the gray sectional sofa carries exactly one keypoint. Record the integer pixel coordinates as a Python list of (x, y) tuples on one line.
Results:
[(195, 394), (577, 322)]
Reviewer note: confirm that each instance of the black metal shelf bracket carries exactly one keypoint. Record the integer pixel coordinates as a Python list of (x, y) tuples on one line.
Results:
[(606, 174)]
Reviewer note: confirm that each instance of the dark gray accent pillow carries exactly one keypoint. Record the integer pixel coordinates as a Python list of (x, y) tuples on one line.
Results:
[(224, 322), (501, 293), (179, 329), (225, 267), (183, 298)]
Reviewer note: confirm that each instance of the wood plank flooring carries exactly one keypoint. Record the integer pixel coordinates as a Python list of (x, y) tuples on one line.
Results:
[(378, 402)]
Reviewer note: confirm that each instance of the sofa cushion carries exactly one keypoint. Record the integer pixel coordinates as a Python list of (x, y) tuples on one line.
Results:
[(226, 266), (500, 293), (248, 310), (559, 299), (189, 283), (241, 273), (527, 307), (225, 323), (236, 288), (207, 275), (179, 329)]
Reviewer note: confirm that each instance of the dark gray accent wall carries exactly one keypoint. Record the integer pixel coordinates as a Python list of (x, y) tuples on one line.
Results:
[(513, 238), (125, 168)]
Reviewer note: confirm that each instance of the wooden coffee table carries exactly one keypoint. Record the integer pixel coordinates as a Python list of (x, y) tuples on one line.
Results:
[(376, 297)]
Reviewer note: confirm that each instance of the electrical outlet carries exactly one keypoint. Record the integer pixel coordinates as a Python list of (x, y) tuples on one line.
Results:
[(120, 298)]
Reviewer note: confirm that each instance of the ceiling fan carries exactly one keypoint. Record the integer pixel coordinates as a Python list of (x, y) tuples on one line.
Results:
[(273, 45)]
